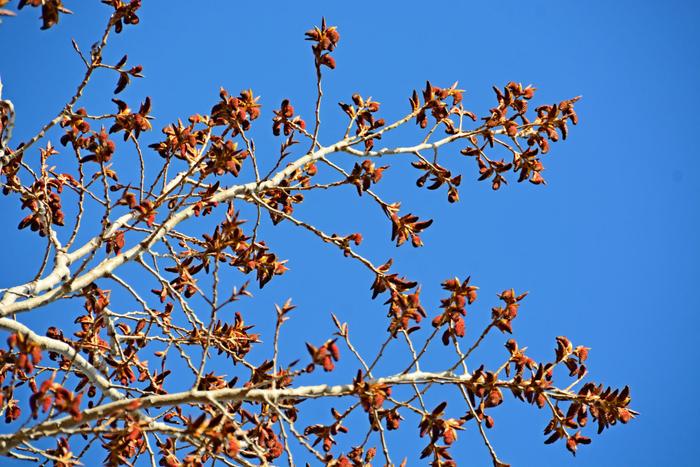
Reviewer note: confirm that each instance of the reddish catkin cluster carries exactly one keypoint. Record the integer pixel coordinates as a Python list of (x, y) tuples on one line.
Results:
[(164, 361), (325, 40)]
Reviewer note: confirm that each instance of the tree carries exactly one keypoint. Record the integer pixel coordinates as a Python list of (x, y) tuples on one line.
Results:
[(148, 380)]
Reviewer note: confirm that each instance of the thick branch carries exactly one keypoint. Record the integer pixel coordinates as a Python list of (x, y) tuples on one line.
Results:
[(52, 427), (9, 306), (78, 361)]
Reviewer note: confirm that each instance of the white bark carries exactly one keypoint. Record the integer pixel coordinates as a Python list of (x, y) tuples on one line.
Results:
[(9, 304)]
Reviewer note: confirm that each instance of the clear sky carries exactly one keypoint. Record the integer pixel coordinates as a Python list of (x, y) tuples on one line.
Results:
[(608, 248)]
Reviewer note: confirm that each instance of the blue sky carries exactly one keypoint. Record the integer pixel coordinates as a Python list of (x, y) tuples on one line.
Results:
[(608, 249)]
